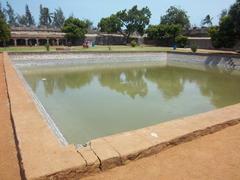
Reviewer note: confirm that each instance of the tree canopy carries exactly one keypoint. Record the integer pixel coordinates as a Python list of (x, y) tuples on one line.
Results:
[(29, 17), (58, 18), (176, 15), (223, 13), (4, 31), (207, 21), (234, 13), (2, 13), (164, 32), (134, 20), (111, 24), (126, 22), (45, 18), (11, 17), (227, 32), (224, 34), (89, 24), (22, 20), (75, 29)]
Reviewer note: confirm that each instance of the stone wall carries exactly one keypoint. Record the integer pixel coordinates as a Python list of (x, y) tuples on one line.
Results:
[(225, 62), (108, 39), (47, 59), (202, 43)]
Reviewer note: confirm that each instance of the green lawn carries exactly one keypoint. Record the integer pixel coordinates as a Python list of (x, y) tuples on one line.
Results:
[(106, 49)]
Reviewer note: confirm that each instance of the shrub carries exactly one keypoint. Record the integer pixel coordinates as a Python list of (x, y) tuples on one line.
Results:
[(47, 46), (181, 41), (133, 43), (194, 48), (215, 37)]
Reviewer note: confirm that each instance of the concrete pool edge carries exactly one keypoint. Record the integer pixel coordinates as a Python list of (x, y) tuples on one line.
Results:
[(43, 111), (43, 156)]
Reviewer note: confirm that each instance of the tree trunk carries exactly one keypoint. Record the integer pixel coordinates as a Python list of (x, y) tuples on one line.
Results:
[(127, 38)]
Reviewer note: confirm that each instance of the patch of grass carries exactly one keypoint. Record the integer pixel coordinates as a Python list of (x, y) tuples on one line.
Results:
[(114, 48), (24, 49)]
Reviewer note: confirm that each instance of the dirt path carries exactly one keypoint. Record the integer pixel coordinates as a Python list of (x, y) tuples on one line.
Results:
[(9, 168), (215, 156)]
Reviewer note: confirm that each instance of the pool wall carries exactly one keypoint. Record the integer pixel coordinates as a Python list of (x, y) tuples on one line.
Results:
[(43, 157), (225, 61), (86, 58)]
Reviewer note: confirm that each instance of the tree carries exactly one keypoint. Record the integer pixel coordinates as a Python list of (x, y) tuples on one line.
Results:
[(110, 24), (223, 14), (22, 20), (2, 13), (154, 32), (224, 35), (5, 32), (126, 22), (133, 20), (213, 33), (234, 13), (45, 18), (207, 21), (75, 29), (29, 17), (10, 15), (89, 24), (228, 32), (58, 18), (173, 31), (164, 32), (176, 15)]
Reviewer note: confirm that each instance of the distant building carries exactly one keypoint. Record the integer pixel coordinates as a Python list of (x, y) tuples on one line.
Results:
[(36, 36), (32, 36), (197, 32)]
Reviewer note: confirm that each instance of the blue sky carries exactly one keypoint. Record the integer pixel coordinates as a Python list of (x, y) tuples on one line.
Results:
[(96, 9)]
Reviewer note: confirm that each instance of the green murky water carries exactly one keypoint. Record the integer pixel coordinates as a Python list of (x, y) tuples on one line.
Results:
[(87, 103)]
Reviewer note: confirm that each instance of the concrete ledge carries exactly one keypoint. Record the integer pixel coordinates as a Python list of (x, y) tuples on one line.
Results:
[(42, 154), (9, 160), (43, 157), (151, 140)]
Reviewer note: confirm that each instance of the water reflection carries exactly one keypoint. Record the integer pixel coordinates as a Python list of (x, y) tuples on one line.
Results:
[(58, 81), (169, 80), (130, 81), (221, 88)]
